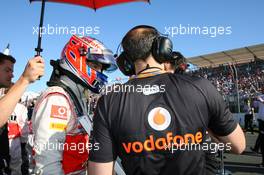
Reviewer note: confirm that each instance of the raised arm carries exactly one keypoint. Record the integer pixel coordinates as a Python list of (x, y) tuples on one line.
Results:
[(33, 69)]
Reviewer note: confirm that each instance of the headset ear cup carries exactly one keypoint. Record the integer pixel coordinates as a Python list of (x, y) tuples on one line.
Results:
[(167, 48), (125, 65), (162, 49), (155, 49)]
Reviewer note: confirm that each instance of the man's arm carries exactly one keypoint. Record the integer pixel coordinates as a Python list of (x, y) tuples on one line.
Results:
[(236, 139), (33, 69), (49, 122), (95, 168)]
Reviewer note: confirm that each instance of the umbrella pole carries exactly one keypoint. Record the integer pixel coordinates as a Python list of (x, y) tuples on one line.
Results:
[(39, 49)]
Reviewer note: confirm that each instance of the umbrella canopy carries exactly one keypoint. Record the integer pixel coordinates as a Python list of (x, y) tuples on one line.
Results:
[(94, 4)]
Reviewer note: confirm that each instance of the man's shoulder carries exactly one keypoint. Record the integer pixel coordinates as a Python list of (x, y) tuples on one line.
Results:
[(52, 99), (191, 80), (55, 94), (54, 91), (188, 77), (180, 80)]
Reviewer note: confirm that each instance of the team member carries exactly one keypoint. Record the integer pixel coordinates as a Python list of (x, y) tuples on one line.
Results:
[(33, 70), (178, 64), (249, 113), (60, 140), (154, 128), (17, 133)]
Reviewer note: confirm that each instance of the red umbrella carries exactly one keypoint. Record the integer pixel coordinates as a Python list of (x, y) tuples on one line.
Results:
[(94, 4)]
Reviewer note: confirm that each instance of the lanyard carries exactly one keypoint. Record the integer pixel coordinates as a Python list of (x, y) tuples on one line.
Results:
[(143, 74)]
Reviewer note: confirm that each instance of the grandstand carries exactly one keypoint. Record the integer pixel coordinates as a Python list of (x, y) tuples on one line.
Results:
[(238, 74), (235, 56)]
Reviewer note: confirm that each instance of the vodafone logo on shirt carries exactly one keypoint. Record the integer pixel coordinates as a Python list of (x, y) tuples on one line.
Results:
[(159, 118), (59, 112)]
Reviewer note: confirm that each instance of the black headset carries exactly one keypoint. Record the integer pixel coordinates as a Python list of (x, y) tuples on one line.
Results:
[(161, 50)]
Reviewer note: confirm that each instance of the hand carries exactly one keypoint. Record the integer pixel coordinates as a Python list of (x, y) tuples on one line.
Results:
[(34, 69)]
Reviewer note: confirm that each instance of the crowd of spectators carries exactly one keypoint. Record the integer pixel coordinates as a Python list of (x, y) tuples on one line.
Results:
[(249, 77)]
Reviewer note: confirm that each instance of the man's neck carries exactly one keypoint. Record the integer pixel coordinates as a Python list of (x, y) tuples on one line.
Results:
[(148, 65)]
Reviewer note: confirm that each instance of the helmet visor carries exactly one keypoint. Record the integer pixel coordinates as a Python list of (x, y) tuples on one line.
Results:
[(105, 57)]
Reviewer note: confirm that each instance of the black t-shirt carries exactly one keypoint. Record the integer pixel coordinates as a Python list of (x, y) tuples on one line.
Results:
[(151, 128)]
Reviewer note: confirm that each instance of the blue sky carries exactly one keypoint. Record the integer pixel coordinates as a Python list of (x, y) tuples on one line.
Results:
[(240, 21)]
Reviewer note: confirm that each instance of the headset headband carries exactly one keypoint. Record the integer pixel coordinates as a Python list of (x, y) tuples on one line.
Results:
[(161, 51)]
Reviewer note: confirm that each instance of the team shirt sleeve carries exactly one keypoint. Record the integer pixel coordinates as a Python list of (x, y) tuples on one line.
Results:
[(102, 136), (221, 120)]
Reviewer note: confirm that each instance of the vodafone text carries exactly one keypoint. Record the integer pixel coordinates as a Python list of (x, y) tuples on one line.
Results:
[(186, 142), (162, 143)]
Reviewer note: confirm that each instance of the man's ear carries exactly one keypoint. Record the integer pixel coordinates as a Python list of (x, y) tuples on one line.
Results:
[(165, 66), (168, 67)]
